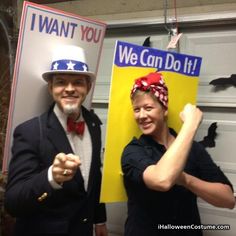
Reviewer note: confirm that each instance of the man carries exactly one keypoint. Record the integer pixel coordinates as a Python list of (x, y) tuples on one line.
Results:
[(54, 175)]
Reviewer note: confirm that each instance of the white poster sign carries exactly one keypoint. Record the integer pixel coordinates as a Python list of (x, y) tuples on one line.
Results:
[(43, 29)]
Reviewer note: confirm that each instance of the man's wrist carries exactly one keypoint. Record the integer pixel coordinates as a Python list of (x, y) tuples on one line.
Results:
[(52, 182)]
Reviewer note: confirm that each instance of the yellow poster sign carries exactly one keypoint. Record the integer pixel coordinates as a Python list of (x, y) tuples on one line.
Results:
[(180, 73)]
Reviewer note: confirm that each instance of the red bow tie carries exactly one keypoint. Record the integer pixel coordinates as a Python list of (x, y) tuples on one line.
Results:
[(77, 127)]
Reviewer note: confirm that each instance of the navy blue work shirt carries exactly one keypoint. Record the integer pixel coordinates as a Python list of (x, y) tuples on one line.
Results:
[(151, 212)]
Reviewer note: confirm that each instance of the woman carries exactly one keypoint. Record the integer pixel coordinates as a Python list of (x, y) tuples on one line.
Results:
[(164, 172)]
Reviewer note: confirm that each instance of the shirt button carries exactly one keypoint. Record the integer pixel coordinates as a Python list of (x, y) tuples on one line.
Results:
[(85, 220)]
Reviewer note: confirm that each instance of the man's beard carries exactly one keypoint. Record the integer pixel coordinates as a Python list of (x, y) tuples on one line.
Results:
[(71, 109)]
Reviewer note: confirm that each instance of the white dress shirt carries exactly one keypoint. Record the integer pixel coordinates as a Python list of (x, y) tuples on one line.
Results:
[(81, 146)]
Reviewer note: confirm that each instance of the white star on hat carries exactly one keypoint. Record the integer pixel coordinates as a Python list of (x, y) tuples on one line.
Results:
[(55, 66), (70, 65), (85, 68)]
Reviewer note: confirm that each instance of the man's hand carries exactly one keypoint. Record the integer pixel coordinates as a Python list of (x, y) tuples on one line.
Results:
[(64, 167), (101, 230)]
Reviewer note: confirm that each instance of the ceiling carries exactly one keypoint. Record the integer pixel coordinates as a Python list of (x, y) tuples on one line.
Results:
[(48, 1)]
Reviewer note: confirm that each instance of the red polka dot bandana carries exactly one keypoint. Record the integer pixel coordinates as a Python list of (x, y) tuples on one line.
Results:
[(154, 83)]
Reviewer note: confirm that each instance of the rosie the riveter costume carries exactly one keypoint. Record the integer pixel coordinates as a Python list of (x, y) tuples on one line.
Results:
[(157, 213)]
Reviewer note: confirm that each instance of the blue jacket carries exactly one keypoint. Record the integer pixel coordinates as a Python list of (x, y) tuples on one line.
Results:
[(39, 209)]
